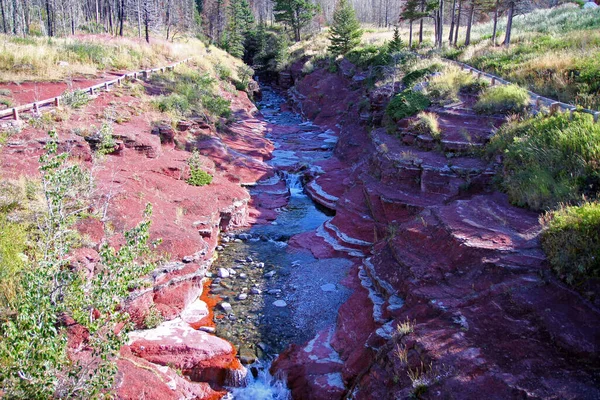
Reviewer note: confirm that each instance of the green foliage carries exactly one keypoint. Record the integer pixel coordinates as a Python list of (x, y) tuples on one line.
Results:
[(415, 76), (13, 238), (76, 98), (107, 142), (396, 44), (193, 93), (503, 100), (345, 32), (93, 53), (198, 177), (240, 23), (153, 318), (33, 352), (370, 56), (271, 52), (549, 160), (427, 123), (406, 104), (295, 13), (571, 241)]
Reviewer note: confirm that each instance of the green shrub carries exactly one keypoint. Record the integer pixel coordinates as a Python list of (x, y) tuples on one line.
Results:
[(198, 177), (571, 241), (153, 319), (414, 76), (75, 98), (173, 102), (406, 104), (549, 160), (503, 100), (91, 52), (427, 123)]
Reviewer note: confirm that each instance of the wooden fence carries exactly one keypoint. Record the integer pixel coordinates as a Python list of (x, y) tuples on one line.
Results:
[(55, 101)]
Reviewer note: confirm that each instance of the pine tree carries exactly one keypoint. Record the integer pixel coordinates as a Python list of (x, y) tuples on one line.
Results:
[(295, 13), (240, 23), (396, 43), (345, 30)]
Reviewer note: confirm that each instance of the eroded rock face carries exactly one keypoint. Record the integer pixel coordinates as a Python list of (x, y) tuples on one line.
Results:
[(201, 356), (446, 258)]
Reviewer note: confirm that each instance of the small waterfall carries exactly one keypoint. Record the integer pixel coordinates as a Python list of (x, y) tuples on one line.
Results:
[(237, 377), (293, 183), (261, 386)]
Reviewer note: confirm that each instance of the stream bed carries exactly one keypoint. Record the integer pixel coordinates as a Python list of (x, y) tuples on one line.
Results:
[(268, 297)]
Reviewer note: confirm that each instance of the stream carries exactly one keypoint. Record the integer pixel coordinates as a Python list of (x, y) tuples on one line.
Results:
[(267, 297)]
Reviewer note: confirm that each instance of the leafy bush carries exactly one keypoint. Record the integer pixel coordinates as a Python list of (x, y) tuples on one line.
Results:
[(33, 350), (503, 100), (173, 102), (198, 177), (75, 98), (426, 123), (406, 104), (192, 92), (571, 241), (549, 160)]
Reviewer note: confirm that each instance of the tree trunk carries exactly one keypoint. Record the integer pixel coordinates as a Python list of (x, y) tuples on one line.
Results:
[(72, 18), (441, 25), (470, 23), (97, 12), (458, 22), (122, 14), (410, 34), (49, 18), (139, 18), (511, 12), (421, 22), (4, 27), (15, 17), (451, 36), (147, 25), (495, 31)]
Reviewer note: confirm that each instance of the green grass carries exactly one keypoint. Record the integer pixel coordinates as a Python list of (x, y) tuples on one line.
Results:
[(427, 123), (549, 160), (571, 241), (452, 81), (13, 243), (503, 100), (406, 104)]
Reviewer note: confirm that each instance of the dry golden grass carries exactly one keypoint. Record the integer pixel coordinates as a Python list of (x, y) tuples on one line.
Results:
[(42, 59)]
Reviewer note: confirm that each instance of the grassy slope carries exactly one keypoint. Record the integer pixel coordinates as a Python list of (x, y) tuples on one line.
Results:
[(554, 52), (43, 59)]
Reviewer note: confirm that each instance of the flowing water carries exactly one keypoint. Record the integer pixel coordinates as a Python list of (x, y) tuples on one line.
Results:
[(269, 297)]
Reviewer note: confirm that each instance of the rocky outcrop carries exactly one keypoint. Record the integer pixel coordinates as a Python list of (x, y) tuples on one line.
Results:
[(453, 296)]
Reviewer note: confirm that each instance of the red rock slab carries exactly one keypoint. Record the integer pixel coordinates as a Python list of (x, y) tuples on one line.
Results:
[(490, 222), (138, 378), (201, 356), (314, 369)]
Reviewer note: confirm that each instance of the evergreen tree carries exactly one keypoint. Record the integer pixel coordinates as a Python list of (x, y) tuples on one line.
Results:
[(295, 13), (345, 30), (240, 23), (396, 43)]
